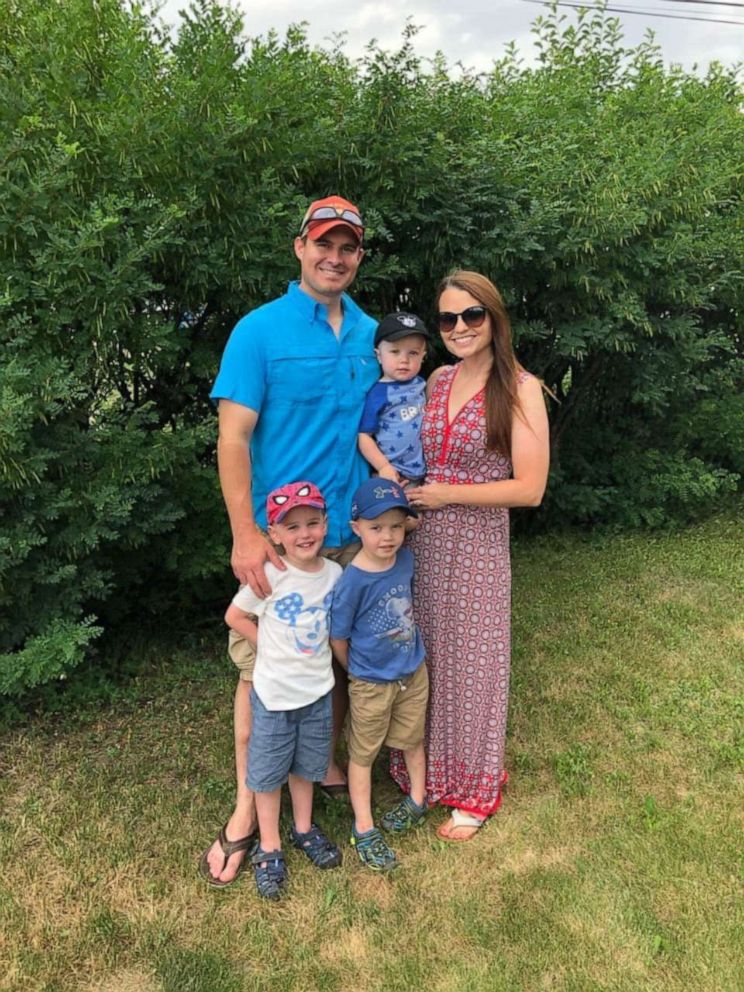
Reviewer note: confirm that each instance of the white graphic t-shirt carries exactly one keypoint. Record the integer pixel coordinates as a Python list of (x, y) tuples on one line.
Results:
[(293, 659)]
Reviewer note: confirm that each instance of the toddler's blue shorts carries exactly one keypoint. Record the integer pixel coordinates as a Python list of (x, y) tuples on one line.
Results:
[(284, 741)]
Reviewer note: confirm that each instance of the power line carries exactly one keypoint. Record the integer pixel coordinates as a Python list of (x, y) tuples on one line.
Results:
[(707, 3), (645, 13)]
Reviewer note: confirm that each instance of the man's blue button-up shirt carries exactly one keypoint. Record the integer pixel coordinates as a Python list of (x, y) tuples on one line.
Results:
[(308, 387)]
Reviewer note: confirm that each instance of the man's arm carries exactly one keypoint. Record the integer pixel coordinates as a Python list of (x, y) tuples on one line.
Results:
[(251, 549)]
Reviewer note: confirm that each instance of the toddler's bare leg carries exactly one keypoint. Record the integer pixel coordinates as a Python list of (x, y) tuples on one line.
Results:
[(340, 698), (360, 790), (301, 792), (415, 759), (267, 808)]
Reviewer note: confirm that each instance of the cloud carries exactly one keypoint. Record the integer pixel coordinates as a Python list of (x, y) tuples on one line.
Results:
[(371, 15), (475, 34)]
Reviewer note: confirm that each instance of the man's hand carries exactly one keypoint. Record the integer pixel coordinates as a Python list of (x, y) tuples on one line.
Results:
[(249, 556)]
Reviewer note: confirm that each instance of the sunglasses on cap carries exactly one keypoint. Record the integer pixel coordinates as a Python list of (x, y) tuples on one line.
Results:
[(330, 213), (472, 317)]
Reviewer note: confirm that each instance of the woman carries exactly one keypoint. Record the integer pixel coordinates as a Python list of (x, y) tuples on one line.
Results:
[(485, 436)]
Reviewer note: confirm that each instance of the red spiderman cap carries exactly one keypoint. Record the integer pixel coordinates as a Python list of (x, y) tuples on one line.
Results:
[(285, 498)]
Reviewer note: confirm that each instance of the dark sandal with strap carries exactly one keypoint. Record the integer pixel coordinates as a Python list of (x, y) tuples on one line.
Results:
[(229, 847), (271, 873), (322, 852), (339, 791)]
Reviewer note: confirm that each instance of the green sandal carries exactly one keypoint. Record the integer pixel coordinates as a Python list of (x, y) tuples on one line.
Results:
[(373, 850), (404, 816)]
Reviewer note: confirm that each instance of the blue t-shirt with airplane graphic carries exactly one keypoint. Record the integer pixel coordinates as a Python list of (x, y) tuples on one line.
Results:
[(374, 612)]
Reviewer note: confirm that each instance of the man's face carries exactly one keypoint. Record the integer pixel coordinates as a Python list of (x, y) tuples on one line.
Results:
[(328, 265)]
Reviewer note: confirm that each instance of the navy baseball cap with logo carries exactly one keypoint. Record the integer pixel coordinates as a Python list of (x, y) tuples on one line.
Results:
[(377, 495), (400, 325)]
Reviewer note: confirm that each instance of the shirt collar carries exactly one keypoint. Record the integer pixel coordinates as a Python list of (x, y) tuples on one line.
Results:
[(314, 310)]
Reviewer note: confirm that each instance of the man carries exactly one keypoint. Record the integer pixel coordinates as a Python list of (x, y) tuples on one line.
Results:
[(291, 388)]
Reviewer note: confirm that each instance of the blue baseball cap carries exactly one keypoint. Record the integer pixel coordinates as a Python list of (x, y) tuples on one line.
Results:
[(377, 495)]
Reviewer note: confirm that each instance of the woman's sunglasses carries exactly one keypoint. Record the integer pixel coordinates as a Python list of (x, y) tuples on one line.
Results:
[(472, 317)]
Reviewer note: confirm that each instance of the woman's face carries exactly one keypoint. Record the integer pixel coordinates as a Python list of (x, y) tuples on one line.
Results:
[(465, 341)]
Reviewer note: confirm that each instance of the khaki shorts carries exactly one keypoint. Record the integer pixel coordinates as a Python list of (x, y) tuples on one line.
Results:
[(242, 653), (391, 713)]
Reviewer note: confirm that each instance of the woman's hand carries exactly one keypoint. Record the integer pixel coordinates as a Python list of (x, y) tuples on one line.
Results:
[(431, 496)]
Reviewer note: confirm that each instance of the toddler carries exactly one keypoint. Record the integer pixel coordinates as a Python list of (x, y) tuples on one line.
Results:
[(292, 682), (390, 428), (374, 636)]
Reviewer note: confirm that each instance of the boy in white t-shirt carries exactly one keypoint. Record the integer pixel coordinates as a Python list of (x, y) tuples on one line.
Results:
[(292, 682)]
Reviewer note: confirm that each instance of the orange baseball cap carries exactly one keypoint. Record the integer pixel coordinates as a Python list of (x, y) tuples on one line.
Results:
[(332, 211)]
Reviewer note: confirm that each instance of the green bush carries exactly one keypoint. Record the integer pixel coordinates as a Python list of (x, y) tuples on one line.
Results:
[(150, 191)]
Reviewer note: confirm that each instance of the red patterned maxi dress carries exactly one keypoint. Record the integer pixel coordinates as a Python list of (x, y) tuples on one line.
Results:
[(462, 601)]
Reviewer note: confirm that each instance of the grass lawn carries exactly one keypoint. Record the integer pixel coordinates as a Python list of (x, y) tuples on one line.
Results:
[(614, 863)]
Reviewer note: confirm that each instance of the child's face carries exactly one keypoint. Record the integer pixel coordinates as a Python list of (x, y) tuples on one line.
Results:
[(382, 537), (401, 360), (302, 533)]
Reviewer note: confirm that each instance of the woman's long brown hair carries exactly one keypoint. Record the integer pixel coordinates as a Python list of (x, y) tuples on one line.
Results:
[(501, 386)]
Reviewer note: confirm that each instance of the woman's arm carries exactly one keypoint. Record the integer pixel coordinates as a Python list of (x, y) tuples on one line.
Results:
[(530, 461)]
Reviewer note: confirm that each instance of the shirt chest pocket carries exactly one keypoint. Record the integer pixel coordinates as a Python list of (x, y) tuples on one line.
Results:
[(293, 381), (357, 374)]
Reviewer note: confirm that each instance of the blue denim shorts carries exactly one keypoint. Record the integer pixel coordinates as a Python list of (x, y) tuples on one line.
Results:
[(284, 741)]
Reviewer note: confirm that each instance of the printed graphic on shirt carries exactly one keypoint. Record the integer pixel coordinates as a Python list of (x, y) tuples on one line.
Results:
[(307, 626), (392, 618), (392, 415)]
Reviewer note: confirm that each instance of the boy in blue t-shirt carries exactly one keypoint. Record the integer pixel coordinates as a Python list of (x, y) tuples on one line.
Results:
[(390, 428), (374, 636)]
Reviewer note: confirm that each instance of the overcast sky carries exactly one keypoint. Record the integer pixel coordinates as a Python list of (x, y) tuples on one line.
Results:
[(475, 31)]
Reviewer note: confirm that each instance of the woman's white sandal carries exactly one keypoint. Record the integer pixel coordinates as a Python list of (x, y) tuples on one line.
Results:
[(459, 818)]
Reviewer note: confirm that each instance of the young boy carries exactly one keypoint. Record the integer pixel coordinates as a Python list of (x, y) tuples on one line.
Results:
[(374, 636), (390, 428), (292, 682)]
